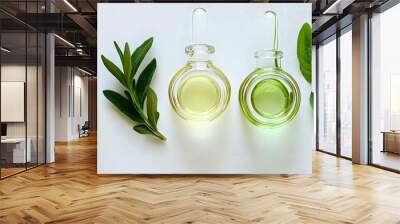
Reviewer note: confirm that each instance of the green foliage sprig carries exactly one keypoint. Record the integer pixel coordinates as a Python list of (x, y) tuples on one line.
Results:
[(304, 54), (137, 91)]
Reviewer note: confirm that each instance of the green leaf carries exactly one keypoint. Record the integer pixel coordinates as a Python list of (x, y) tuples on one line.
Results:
[(152, 107), (139, 54), (128, 95), (311, 98), (144, 81), (124, 105), (131, 102), (142, 129), (121, 55), (127, 62), (304, 51), (114, 70), (157, 117)]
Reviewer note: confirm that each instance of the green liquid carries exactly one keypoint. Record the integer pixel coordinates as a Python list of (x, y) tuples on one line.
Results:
[(270, 98), (199, 94)]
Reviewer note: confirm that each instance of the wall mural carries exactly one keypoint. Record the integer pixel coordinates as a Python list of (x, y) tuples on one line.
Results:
[(267, 129)]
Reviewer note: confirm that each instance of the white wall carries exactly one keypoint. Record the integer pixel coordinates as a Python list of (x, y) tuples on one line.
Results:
[(67, 115)]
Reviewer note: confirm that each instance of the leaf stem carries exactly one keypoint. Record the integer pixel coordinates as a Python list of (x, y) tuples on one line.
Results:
[(144, 117)]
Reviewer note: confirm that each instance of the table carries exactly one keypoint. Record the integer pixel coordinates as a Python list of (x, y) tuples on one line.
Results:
[(18, 150), (391, 141)]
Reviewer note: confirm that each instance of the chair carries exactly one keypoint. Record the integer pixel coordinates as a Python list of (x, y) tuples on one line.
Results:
[(84, 130)]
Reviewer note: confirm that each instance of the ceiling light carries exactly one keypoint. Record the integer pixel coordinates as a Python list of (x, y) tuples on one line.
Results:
[(5, 50), (70, 5), (329, 9), (64, 40), (338, 6), (84, 71)]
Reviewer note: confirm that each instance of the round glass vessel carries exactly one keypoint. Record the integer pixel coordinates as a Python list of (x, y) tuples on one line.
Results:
[(199, 91), (269, 96)]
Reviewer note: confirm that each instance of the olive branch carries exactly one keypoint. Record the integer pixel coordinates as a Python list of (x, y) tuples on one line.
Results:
[(136, 91)]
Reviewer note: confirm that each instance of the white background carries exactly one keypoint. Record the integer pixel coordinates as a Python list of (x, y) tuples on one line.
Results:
[(230, 144)]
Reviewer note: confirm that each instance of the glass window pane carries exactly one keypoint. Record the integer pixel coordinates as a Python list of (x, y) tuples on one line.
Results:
[(385, 87), (13, 86), (41, 98), (32, 95), (31, 88), (346, 93), (327, 96)]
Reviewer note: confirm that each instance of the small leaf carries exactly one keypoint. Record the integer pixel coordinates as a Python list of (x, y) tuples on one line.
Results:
[(127, 62), (144, 81), (304, 51), (124, 105), (142, 129), (152, 107), (128, 95), (158, 117), (114, 70), (139, 54), (121, 55), (312, 100)]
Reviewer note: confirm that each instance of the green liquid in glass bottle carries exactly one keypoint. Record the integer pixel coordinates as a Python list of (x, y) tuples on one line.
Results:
[(269, 96)]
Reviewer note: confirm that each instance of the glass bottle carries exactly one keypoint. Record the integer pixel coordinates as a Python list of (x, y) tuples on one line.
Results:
[(199, 91), (269, 96)]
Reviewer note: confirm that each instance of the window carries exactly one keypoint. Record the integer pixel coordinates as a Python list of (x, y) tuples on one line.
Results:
[(327, 96), (346, 93), (385, 89), (22, 77)]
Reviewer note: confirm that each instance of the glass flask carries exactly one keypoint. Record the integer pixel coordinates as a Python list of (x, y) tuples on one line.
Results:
[(269, 96), (199, 91)]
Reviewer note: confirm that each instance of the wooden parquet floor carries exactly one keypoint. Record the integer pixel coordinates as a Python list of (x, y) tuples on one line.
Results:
[(70, 191)]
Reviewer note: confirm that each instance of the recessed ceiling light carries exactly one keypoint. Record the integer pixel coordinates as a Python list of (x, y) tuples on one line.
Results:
[(84, 71), (64, 40), (70, 5), (338, 6), (5, 50)]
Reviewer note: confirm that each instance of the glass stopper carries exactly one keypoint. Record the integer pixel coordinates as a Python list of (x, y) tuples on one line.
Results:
[(199, 26), (272, 15)]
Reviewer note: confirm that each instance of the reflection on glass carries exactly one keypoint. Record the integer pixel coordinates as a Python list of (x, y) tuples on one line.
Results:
[(346, 94), (22, 91), (31, 100), (41, 98), (385, 89), (13, 85), (327, 96)]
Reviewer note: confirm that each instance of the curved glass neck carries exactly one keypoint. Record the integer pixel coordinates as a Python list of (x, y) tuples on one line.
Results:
[(199, 52), (268, 58), (268, 63)]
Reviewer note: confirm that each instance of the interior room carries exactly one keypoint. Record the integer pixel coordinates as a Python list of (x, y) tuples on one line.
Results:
[(385, 91), (22, 103), (159, 111)]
